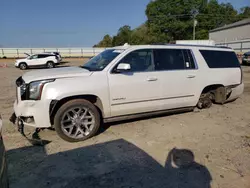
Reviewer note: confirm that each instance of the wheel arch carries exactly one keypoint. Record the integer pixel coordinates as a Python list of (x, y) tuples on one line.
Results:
[(56, 104), (23, 62), (218, 90)]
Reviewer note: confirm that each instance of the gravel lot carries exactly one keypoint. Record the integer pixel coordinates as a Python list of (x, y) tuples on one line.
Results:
[(135, 153)]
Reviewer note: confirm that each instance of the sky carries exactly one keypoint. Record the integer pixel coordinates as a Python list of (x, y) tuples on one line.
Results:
[(69, 23)]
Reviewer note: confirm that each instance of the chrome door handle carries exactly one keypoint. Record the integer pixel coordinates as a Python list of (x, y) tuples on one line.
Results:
[(191, 76), (152, 79)]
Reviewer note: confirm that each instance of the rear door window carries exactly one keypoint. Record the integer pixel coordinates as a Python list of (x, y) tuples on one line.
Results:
[(42, 56), (173, 59), (220, 59)]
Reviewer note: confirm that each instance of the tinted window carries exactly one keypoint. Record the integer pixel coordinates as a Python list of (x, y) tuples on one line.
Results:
[(169, 59), (42, 56), (220, 59), (139, 60)]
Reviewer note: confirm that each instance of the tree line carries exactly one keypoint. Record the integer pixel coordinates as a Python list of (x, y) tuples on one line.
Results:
[(170, 20)]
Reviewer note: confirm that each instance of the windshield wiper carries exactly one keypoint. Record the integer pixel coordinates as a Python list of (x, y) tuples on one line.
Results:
[(85, 67)]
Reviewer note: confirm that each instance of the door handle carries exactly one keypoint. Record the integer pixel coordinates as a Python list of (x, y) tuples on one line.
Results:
[(191, 76), (152, 79)]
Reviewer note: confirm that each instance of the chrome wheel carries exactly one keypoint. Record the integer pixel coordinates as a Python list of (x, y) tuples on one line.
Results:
[(78, 122)]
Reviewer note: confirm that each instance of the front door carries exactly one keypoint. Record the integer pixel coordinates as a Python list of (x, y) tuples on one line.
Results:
[(33, 60), (138, 89)]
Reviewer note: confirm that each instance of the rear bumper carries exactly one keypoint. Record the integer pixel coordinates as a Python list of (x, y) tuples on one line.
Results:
[(236, 92)]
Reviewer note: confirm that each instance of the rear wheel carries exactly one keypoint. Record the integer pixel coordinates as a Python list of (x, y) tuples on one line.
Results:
[(77, 120), (205, 101), (50, 64), (23, 66)]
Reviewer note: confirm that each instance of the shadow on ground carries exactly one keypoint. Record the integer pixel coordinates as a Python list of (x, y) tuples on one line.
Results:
[(111, 164)]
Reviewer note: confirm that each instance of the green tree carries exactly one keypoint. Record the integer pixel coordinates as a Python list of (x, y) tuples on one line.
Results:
[(105, 42), (123, 36), (172, 19), (244, 13)]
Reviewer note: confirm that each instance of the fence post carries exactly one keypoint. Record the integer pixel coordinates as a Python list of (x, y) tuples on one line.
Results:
[(82, 52), (17, 53), (31, 51), (69, 52), (2, 52), (241, 46)]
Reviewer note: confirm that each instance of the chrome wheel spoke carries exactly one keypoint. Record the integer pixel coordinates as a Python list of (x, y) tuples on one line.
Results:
[(78, 122)]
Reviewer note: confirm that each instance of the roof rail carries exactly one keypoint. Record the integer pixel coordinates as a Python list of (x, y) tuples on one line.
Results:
[(193, 45)]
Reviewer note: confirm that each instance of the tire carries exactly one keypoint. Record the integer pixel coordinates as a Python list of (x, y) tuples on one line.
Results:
[(72, 125), (50, 64), (205, 101), (23, 66)]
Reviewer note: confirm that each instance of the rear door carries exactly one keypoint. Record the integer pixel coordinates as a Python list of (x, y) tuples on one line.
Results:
[(177, 71)]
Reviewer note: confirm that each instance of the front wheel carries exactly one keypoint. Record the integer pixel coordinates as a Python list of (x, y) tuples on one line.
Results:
[(77, 120), (23, 66)]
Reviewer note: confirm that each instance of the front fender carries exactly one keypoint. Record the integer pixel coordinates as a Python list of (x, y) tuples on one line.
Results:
[(70, 87)]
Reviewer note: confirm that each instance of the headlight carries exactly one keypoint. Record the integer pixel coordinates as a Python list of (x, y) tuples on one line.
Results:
[(36, 88)]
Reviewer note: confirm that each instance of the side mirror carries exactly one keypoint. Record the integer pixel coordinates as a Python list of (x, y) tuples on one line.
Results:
[(123, 67)]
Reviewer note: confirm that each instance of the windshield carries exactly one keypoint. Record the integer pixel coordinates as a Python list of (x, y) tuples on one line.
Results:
[(100, 61)]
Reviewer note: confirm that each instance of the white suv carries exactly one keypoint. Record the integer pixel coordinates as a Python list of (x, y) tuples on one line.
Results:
[(37, 60), (127, 82)]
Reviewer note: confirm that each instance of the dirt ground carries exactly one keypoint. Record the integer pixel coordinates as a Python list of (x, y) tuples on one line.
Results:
[(135, 153)]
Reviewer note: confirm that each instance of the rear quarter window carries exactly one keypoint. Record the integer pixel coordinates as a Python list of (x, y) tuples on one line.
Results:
[(220, 59)]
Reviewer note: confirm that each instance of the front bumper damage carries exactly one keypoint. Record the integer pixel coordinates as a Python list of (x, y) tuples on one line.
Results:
[(35, 139)]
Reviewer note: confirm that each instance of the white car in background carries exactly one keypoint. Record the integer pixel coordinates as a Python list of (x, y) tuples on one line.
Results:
[(38, 60)]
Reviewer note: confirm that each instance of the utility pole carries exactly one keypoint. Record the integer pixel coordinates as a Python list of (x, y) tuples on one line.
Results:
[(194, 12), (195, 24)]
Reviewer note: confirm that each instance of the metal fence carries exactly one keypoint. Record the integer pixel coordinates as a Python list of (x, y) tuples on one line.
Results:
[(65, 52), (238, 46)]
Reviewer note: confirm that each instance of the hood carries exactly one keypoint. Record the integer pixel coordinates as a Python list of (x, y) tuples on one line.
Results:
[(20, 60), (67, 72)]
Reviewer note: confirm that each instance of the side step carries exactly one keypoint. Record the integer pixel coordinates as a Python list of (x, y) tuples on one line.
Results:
[(148, 114)]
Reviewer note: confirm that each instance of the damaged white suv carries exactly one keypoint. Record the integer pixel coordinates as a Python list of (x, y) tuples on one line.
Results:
[(127, 82)]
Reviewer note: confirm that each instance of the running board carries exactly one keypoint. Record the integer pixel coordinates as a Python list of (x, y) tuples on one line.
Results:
[(148, 114)]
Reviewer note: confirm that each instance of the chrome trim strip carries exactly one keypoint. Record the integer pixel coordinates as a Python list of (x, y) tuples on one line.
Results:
[(152, 100)]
